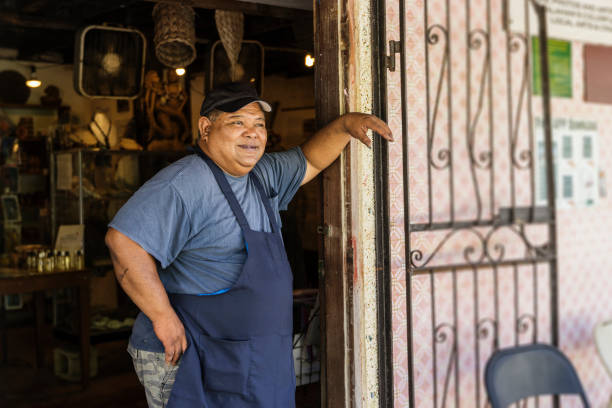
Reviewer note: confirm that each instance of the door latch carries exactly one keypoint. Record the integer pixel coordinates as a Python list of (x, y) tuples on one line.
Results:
[(395, 47)]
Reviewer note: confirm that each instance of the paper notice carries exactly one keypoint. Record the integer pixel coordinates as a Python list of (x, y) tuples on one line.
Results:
[(64, 171)]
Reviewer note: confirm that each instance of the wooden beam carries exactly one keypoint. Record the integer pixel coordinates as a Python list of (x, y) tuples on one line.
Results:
[(246, 8), (19, 20), (335, 384)]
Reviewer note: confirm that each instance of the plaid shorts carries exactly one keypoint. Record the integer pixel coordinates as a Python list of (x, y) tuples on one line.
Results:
[(156, 376)]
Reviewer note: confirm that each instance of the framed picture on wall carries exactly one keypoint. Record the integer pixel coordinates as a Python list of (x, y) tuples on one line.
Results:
[(13, 302), (10, 208)]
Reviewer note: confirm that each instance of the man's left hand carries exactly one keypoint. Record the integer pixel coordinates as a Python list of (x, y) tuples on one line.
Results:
[(358, 124)]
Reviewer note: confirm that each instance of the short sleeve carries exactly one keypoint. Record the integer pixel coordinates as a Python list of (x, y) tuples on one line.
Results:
[(283, 172), (156, 218)]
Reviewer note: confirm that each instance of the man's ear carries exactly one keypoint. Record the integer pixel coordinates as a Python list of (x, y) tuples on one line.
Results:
[(204, 125)]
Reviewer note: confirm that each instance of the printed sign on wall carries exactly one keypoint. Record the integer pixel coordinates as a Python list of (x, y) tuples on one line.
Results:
[(587, 21), (575, 152)]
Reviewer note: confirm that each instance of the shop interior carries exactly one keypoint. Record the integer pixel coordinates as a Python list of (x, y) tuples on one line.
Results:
[(95, 98)]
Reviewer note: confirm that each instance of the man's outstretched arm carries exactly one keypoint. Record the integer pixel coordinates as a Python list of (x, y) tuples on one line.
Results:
[(137, 274), (327, 144)]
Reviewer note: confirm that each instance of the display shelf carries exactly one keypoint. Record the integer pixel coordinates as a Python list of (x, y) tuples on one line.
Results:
[(88, 186)]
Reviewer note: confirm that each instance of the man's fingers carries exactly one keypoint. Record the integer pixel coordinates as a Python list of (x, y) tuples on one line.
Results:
[(381, 128), (184, 344), (169, 355)]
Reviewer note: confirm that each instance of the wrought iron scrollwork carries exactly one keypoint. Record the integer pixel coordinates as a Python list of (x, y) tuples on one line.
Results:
[(477, 39), (486, 247), (442, 334), (520, 159), (468, 252), (434, 33), (524, 323), (487, 327)]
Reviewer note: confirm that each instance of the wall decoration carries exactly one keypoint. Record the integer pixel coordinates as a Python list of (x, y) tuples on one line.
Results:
[(576, 167), (161, 115), (560, 66)]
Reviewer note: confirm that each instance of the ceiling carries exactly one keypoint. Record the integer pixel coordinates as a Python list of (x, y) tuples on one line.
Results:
[(44, 30)]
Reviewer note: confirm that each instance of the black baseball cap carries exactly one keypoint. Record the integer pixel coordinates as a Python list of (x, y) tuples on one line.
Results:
[(230, 97)]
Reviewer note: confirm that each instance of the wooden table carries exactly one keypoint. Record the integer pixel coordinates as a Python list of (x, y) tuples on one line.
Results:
[(17, 280)]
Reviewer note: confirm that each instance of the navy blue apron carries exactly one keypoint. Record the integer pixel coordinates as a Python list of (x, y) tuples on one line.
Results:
[(240, 341)]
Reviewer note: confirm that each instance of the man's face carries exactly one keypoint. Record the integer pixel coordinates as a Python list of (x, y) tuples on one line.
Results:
[(235, 140)]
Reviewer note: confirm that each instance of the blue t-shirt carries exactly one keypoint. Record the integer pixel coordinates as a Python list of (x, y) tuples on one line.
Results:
[(181, 217)]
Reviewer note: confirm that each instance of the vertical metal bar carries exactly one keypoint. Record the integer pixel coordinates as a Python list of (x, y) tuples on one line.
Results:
[(496, 304), (552, 225), (449, 101), (456, 337), (432, 286), (476, 342), (381, 177), (535, 302), (406, 178), (528, 68), (516, 304), (469, 136), (80, 171), (511, 146), (491, 133), (428, 110)]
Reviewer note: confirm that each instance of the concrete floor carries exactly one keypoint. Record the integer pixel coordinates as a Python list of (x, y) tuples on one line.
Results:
[(22, 385)]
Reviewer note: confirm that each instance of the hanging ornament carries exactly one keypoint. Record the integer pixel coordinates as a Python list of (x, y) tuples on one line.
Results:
[(230, 25)]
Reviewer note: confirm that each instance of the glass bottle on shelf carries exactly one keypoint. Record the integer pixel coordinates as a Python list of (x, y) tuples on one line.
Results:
[(66, 260), (40, 264), (49, 262), (79, 260)]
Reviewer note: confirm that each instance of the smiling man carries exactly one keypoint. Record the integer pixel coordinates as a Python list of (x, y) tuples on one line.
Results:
[(198, 249)]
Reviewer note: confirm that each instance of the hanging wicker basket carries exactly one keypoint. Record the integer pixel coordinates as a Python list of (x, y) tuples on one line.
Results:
[(174, 34)]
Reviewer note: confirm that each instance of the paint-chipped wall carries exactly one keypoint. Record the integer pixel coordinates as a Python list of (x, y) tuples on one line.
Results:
[(358, 92)]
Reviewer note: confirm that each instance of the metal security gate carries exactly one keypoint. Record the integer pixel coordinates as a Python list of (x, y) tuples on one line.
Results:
[(467, 250)]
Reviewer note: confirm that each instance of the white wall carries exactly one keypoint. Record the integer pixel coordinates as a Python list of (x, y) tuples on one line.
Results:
[(53, 74)]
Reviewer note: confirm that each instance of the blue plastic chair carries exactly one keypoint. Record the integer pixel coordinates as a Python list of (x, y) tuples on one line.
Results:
[(520, 372)]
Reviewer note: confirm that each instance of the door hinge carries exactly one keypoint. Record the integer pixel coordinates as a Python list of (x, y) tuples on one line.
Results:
[(395, 47)]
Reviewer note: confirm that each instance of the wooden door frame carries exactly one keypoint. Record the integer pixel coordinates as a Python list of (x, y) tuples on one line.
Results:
[(337, 371)]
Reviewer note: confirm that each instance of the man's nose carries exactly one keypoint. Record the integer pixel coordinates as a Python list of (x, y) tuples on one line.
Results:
[(250, 131)]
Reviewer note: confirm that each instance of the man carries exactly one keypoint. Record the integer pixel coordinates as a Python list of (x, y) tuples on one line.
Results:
[(199, 251)]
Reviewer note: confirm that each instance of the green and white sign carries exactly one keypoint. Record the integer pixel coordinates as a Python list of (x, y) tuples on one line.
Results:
[(559, 64)]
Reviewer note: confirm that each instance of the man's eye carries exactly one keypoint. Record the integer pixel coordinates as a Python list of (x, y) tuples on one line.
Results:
[(237, 122), (262, 125)]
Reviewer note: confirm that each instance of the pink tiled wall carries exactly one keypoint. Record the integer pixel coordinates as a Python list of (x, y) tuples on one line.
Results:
[(584, 249)]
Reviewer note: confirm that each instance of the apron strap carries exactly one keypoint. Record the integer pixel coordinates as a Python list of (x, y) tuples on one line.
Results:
[(225, 188), (266, 202)]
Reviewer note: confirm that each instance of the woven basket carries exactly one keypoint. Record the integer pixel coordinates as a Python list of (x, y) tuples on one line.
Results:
[(174, 34)]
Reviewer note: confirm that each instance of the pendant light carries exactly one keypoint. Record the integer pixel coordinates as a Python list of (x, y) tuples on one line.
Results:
[(33, 81)]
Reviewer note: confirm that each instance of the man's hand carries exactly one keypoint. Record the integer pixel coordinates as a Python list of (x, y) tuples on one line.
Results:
[(358, 124), (137, 274), (171, 333), (327, 144)]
